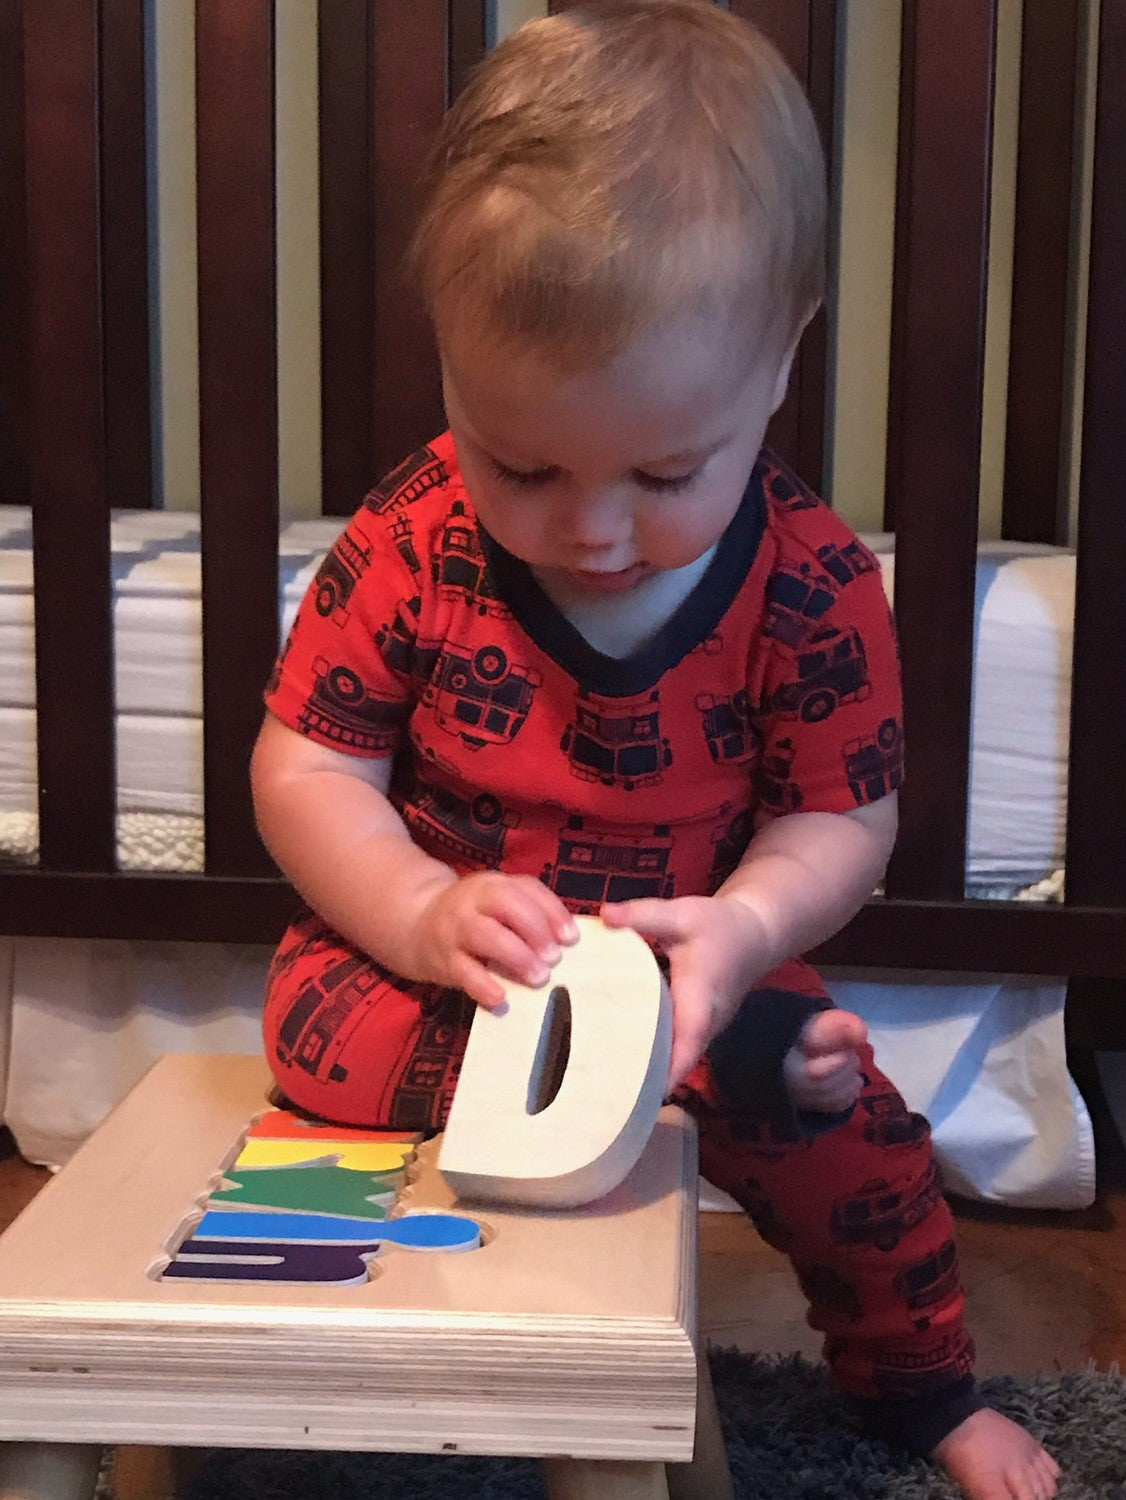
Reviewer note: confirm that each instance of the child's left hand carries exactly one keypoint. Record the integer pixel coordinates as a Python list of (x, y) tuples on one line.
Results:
[(717, 948)]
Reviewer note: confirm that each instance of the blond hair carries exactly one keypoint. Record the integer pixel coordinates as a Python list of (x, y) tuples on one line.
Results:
[(619, 164)]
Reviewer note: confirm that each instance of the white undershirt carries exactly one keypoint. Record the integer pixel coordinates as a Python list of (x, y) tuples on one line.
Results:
[(617, 625)]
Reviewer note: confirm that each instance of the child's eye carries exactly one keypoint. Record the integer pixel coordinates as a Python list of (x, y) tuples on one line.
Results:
[(664, 484), (523, 479)]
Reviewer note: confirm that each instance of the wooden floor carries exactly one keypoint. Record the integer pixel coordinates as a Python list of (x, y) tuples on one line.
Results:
[(1046, 1290)]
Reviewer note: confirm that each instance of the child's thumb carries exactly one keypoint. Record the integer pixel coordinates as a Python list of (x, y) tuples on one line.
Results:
[(656, 921), (832, 1031)]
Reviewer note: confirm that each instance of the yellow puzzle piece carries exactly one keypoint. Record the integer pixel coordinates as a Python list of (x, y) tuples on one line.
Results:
[(383, 1156)]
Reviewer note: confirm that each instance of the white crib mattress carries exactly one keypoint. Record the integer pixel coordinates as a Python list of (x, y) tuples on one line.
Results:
[(159, 678), (1018, 766)]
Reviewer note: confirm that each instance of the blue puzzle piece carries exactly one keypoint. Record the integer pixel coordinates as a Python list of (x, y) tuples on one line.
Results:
[(324, 1229)]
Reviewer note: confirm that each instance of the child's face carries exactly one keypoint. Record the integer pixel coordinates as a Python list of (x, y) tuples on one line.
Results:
[(601, 479)]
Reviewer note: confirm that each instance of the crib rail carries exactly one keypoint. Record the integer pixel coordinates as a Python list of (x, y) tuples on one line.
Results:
[(75, 377)]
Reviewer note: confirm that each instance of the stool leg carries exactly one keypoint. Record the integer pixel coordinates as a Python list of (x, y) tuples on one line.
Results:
[(597, 1479), (49, 1471), (707, 1477)]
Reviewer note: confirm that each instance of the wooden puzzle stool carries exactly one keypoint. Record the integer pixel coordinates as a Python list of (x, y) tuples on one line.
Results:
[(567, 1336)]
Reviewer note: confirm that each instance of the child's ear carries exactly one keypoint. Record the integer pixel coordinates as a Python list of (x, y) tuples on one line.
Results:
[(783, 380)]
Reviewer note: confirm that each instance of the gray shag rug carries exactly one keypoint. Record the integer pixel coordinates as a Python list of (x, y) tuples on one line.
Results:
[(789, 1436)]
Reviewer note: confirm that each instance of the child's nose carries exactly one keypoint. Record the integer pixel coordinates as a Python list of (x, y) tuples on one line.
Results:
[(597, 523)]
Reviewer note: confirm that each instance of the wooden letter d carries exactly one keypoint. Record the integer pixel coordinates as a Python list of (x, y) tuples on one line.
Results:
[(498, 1146)]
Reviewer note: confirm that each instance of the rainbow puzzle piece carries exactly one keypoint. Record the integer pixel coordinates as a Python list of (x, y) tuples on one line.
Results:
[(305, 1203)]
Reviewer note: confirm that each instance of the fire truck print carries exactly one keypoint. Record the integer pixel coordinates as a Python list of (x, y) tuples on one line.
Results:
[(728, 727), (890, 1123), (928, 1283), (880, 1213), (471, 830), (309, 935), (608, 864), (342, 568), (847, 562), (796, 598), (787, 495), (317, 1025), (833, 669), (399, 646), (730, 842), (773, 783), (617, 741), (401, 532), (906, 1375), (479, 695), (421, 472), (425, 1087), (460, 565), (874, 765), (340, 708)]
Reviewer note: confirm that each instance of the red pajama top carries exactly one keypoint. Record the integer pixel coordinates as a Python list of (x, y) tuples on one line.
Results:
[(773, 688)]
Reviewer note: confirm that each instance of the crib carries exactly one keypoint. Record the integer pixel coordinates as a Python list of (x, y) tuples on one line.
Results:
[(77, 438)]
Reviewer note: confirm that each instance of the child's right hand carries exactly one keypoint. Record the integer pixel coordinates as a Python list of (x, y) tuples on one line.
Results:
[(488, 920)]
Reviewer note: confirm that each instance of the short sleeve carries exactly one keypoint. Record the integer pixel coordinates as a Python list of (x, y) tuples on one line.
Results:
[(829, 694), (340, 677)]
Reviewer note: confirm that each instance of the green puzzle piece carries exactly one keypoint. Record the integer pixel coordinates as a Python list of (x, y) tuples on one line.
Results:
[(314, 1190)]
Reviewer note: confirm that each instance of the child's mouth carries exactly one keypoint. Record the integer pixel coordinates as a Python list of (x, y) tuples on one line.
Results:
[(607, 583)]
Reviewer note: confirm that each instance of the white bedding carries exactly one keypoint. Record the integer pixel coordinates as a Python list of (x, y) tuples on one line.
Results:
[(1022, 687), (159, 682), (1024, 629)]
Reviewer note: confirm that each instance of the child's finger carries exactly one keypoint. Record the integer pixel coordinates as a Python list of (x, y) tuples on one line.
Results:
[(471, 976), (656, 921), (563, 924), (558, 918), (497, 945), (692, 1016), (516, 907)]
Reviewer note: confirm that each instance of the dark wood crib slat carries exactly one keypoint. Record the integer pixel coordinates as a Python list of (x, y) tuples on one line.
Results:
[(806, 35), (66, 453), (347, 253), (386, 77), (1096, 851), (466, 44), (238, 409), (125, 288), (1034, 508), (13, 258), (934, 436), (409, 94)]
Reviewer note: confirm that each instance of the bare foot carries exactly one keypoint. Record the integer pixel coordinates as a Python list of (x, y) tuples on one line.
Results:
[(991, 1458), (822, 1068)]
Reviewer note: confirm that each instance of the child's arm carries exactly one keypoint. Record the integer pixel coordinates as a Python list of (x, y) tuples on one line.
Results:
[(327, 820), (800, 880)]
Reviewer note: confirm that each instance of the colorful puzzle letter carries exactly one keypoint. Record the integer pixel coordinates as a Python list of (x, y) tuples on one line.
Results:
[(497, 1147), (310, 1203)]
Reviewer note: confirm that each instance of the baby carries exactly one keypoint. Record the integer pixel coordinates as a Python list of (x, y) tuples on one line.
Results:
[(595, 649)]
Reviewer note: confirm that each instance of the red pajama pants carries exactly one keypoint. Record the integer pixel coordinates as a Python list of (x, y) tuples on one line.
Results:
[(858, 1208)]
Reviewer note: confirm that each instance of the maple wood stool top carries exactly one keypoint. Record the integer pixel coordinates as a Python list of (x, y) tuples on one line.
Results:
[(566, 1335)]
